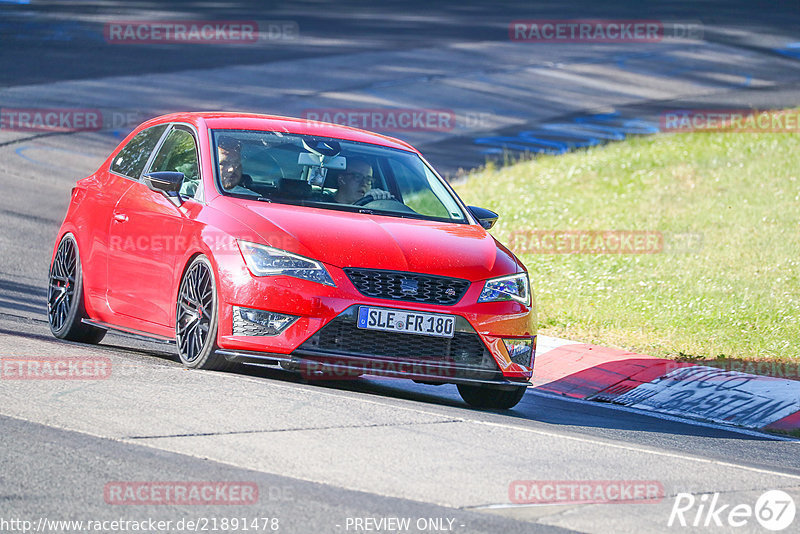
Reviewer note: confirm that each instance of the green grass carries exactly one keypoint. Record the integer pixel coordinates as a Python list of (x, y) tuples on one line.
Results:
[(736, 295)]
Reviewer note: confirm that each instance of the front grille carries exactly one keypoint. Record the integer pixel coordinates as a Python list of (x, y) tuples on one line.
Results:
[(341, 336), (410, 287)]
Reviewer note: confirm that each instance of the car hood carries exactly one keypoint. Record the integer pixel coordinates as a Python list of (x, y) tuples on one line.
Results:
[(345, 239)]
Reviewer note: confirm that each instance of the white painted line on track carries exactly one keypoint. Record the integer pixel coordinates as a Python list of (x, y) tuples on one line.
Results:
[(603, 442), (532, 391), (625, 447), (551, 434), (645, 450)]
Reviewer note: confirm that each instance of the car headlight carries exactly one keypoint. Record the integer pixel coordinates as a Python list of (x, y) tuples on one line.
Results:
[(514, 287), (267, 261)]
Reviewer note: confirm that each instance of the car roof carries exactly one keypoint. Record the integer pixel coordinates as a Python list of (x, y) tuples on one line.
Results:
[(253, 121)]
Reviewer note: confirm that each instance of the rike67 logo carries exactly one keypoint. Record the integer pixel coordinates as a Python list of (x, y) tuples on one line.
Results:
[(774, 510)]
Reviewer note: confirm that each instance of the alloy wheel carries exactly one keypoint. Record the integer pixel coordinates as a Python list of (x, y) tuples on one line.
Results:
[(61, 288), (195, 307)]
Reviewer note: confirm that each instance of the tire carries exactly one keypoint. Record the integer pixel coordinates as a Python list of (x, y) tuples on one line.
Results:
[(196, 321), (493, 397), (65, 300)]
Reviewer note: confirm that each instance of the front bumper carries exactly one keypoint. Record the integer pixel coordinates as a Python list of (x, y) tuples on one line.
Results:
[(324, 340), (340, 350), (346, 367)]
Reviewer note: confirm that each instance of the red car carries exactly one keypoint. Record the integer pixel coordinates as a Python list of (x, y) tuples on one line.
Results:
[(323, 249)]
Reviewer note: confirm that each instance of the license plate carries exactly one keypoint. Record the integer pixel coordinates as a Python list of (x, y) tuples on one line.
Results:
[(408, 322)]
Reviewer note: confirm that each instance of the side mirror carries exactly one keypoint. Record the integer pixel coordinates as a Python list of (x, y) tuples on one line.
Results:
[(486, 218), (167, 183)]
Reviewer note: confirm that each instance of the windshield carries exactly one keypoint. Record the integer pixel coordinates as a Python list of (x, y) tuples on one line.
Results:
[(330, 174)]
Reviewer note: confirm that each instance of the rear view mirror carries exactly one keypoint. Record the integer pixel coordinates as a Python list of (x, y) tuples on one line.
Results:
[(307, 159), (318, 165), (167, 183)]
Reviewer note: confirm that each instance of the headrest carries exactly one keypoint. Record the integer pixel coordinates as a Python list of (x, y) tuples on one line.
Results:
[(332, 179), (293, 188)]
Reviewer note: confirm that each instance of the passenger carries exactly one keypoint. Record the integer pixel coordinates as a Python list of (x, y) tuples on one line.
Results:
[(229, 151)]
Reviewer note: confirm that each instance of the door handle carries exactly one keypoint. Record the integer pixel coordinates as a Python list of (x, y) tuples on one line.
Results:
[(120, 217)]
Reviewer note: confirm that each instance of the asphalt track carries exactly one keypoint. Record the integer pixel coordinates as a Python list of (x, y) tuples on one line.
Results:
[(323, 453)]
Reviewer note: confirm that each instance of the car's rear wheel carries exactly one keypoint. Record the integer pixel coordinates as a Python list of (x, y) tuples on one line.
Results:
[(196, 320), (65, 306), (494, 397)]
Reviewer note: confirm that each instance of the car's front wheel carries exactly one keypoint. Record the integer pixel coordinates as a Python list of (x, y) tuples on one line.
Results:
[(65, 308), (493, 397), (196, 318)]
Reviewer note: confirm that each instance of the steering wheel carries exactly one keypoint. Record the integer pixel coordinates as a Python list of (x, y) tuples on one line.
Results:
[(364, 200), (277, 165), (389, 204)]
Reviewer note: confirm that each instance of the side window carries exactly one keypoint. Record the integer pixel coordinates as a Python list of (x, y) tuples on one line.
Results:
[(131, 160), (179, 154)]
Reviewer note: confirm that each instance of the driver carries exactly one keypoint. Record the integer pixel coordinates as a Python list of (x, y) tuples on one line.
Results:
[(356, 183), (229, 150)]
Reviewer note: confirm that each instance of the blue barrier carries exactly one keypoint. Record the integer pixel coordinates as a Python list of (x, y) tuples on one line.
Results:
[(33, 30), (570, 138), (791, 50), (520, 144), (561, 137), (614, 122), (597, 132)]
